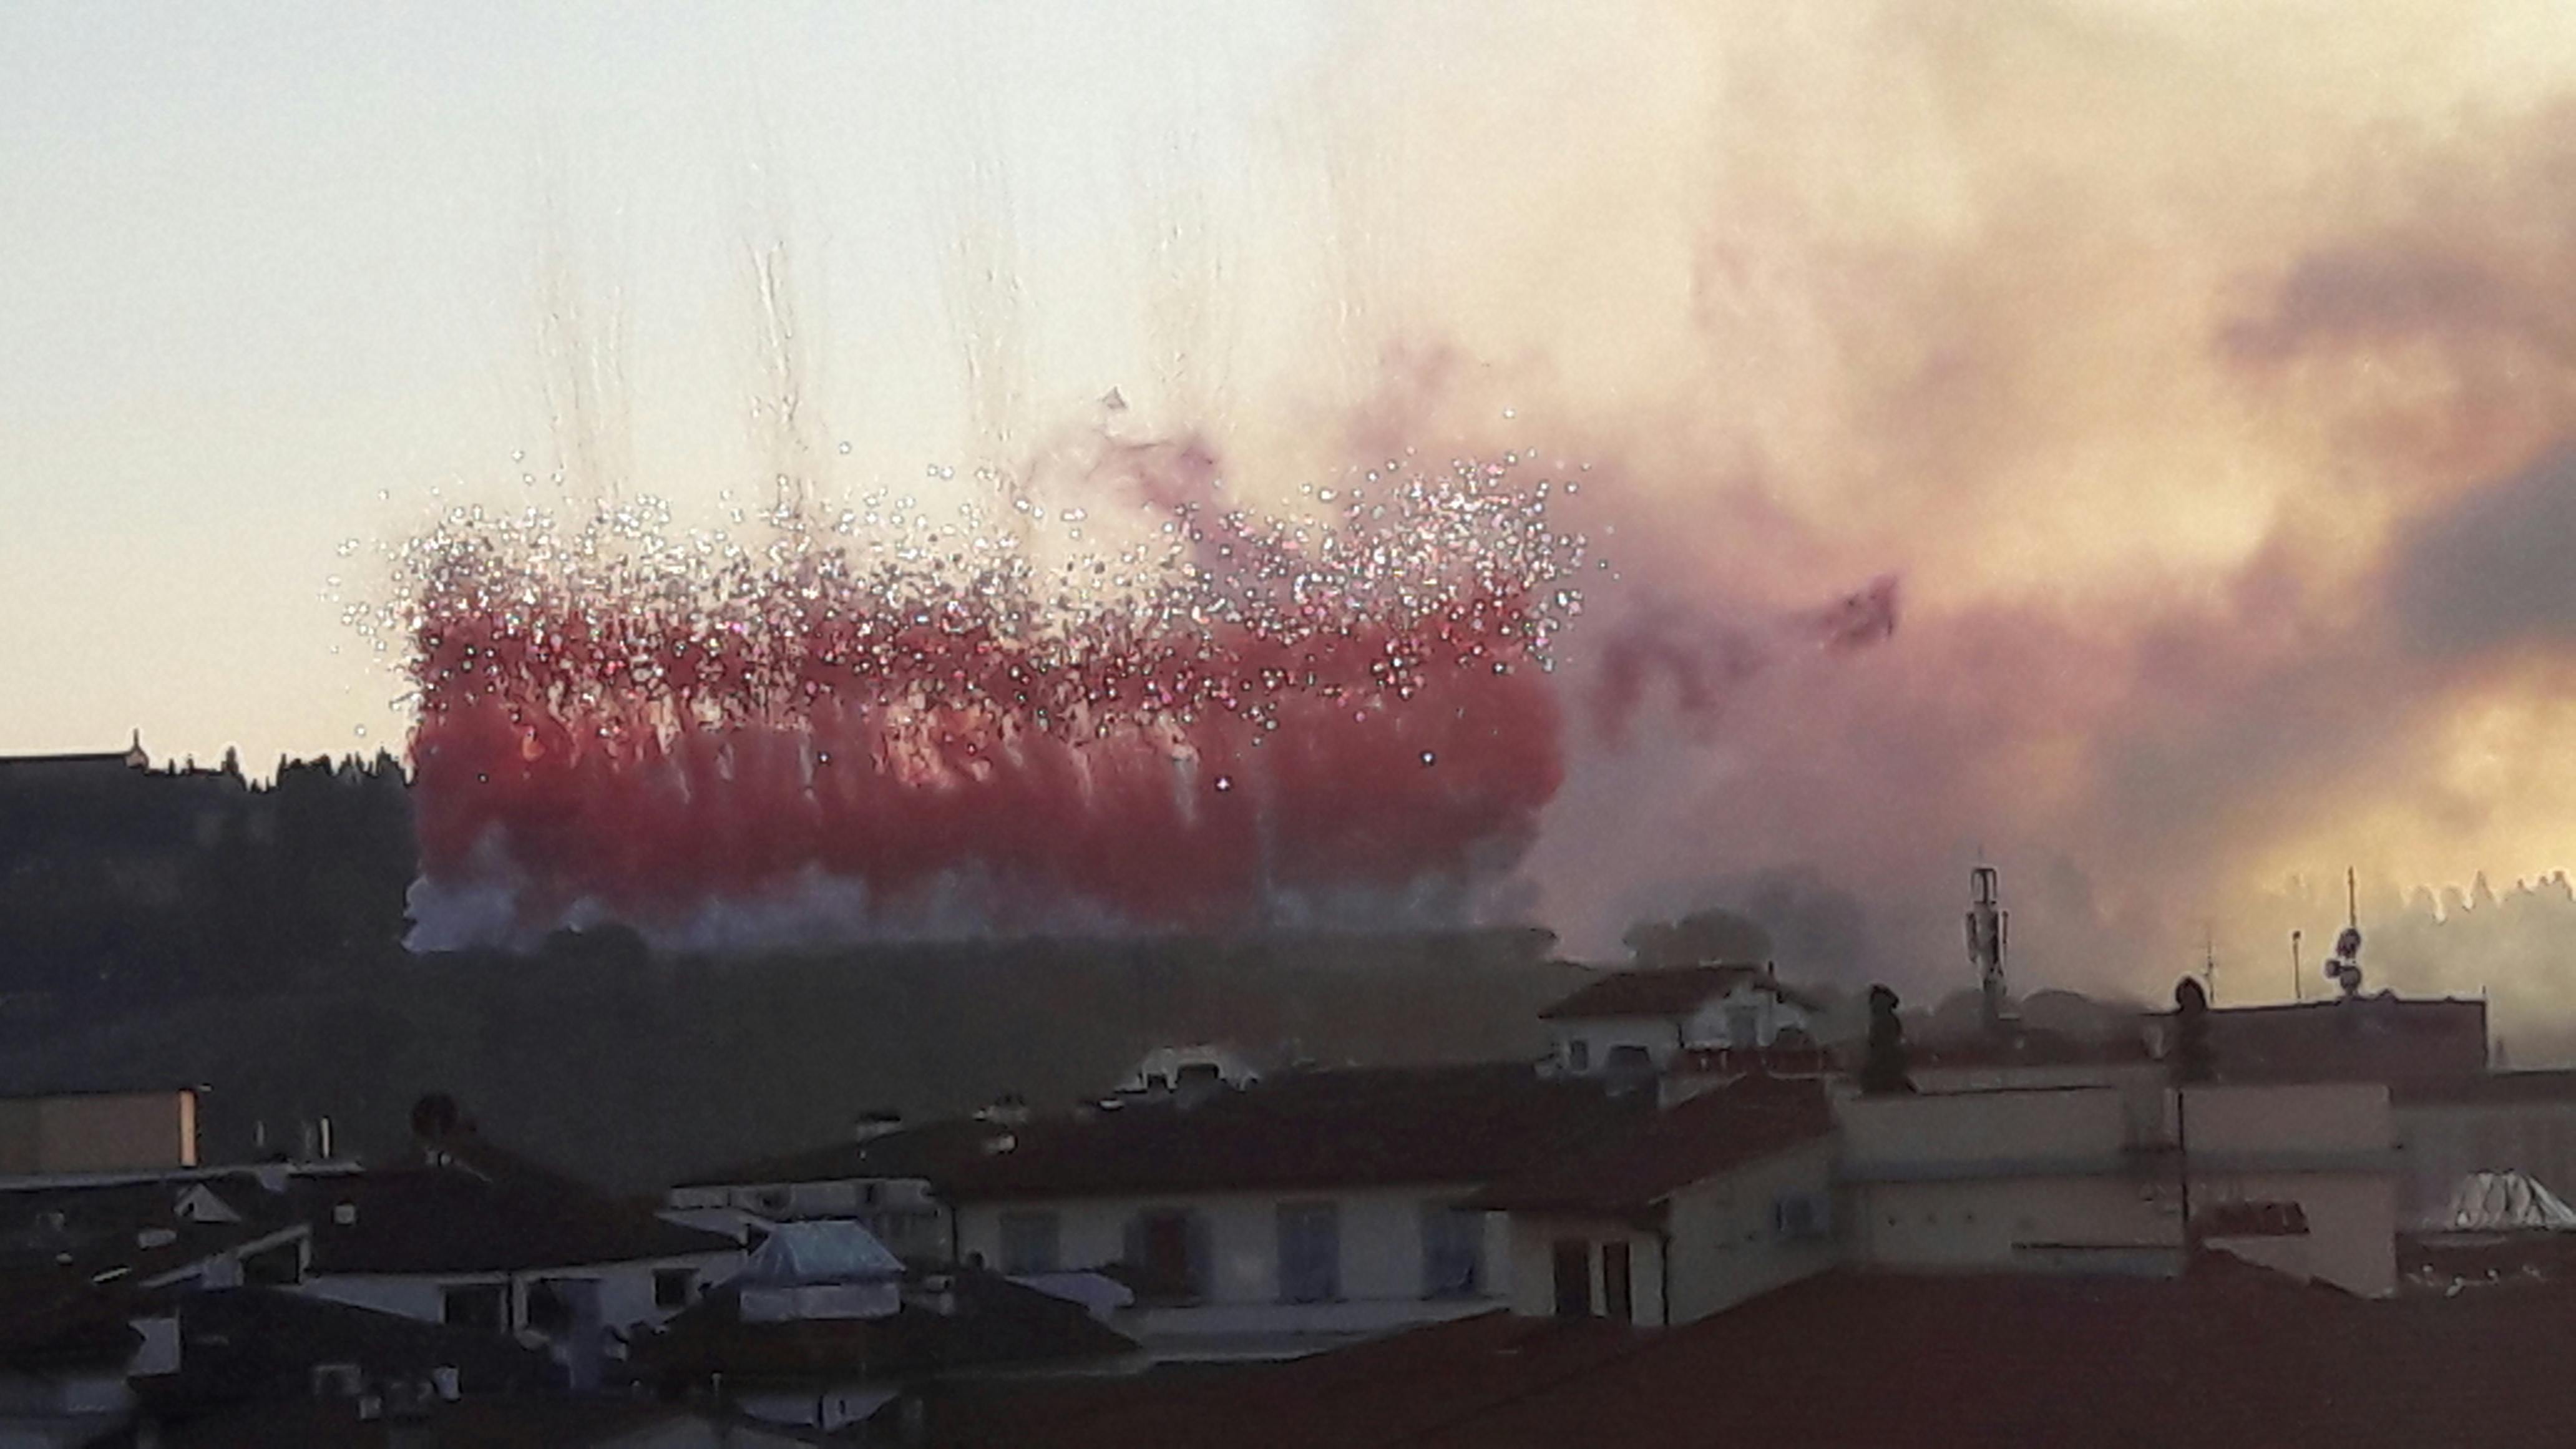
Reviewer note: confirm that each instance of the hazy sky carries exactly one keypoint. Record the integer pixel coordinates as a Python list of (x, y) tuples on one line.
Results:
[(2206, 370)]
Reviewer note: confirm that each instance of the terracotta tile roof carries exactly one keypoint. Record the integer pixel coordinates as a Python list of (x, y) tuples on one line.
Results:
[(2228, 1357), (1745, 1121), (445, 1220), (1345, 1128), (1662, 991)]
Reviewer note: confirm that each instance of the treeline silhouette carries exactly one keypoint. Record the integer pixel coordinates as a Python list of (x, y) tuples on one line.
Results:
[(125, 886)]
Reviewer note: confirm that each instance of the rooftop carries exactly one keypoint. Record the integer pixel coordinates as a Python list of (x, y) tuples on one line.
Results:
[(1659, 991), (1889, 1361), (924, 1151), (441, 1219), (1744, 1121), (2377, 1038), (1344, 1128)]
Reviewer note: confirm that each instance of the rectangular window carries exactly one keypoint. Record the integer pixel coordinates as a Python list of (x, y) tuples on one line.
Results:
[(1616, 1292), (1310, 1252), (549, 1307), (1030, 1242), (1453, 1252), (1578, 1055), (1572, 1258), (671, 1286), (1168, 1252), (1743, 1026), (475, 1305)]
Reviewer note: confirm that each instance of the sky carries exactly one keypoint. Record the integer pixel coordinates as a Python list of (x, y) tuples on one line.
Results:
[(2203, 371)]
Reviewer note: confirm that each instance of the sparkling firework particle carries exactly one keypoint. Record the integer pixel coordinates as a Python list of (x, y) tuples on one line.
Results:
[(1183, 714)]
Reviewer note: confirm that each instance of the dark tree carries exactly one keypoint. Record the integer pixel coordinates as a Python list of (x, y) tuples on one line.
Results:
[(2192, 1061), (1883, 1070)]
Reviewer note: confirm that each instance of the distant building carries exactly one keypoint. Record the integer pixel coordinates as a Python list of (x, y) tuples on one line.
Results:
[(1639, 1022), (98, 1132), (1311, 1209)]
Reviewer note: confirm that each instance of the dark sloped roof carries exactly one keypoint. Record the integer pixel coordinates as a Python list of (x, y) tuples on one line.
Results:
[(1379, 1125), (997, 1323), (1665, 991), (925, 1151), (2228, 1357), (247, 1343), (444, 1220), (1745, 1121)]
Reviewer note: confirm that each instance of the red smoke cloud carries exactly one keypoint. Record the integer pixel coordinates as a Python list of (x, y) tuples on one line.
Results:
[(1272, 717)]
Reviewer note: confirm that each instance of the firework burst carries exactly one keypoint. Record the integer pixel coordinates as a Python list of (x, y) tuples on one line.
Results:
[(1152, 707)]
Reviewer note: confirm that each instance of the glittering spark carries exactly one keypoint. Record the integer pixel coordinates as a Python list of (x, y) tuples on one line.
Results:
[(885, 691)]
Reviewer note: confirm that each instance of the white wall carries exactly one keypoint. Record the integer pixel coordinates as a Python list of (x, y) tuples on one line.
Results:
[(1726, 1240), (625, 1291), (2063, 1178), (1534, 1237), (1381, 1259)]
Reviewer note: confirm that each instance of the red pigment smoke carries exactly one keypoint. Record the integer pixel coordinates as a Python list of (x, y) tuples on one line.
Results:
[(1249, 711)]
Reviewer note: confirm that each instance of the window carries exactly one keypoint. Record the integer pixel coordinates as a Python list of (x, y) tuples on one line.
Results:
[(1453, 1252), (1616, 1290), (1800, 1215), (1743, 1026), (671, 1286), (1168, 1253), (1578, 1055), (549, 1308), (1030, 1242), (275, 1267), (474, 1305), (1310, 1252), (1572, 1258)]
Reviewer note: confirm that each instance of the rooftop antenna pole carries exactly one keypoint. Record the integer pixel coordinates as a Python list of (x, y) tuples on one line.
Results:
[(2298, 987), (2209, 960), (2351, 901)]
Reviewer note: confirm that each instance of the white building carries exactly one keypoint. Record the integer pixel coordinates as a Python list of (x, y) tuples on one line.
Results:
[(1640, 1021), (577, 1273), (1309, 1210), (1714, 1200), (2094, 1177)]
